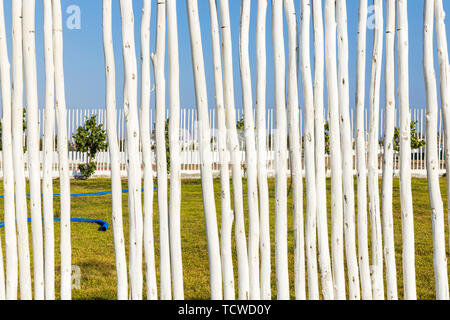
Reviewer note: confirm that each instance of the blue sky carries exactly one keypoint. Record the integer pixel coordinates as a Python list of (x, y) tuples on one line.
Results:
[(84, 61)]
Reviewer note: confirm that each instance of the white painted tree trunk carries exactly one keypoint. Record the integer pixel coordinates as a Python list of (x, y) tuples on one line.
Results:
[(134, 165), (441, 37), (388, 155), (251, 155), (335, 153), (18, 156), (10, 292), (205, 151), (409, 273), (319, 123), (373, 157), (310, 167), (175, 161), (261, 84), (233, 147), (226, 212), (49, 144), (161, 159), (347, 153), (295, 154), (281, 154), (116, 183), (147, 154), (437, 208), (63, 153), (363, 247), (33, 134)]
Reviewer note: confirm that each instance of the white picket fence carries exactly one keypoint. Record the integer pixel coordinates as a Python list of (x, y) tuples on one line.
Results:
[(188, 137)]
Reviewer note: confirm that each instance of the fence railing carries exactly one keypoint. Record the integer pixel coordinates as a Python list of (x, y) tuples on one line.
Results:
[(190, 161)]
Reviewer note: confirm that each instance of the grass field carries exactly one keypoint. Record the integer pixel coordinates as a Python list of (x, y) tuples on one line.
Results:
[(93, 251)]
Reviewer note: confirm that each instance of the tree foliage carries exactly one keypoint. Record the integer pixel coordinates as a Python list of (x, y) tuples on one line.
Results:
[(90, 139)]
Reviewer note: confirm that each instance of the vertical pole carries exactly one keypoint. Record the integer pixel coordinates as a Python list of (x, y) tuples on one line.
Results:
[(205, 151), (261, 84), (10, 292), (347, 153), (30, 72), (388, 155), (335, 153), (437, 208), (409, 273), (111, 125), (174, 140), (227, 213), (132, 136)]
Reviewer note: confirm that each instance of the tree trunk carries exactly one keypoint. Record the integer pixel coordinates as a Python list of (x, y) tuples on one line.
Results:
[(251, 155), (116, 183), (10, 292), (310, 167), (374, 198), (347, 153), (388, 155), (33, 135), (233, 146), (175, 161), (161, 159), (441, 37), (437, 208), (363, 247), (205, 151), (61, 116), (281, 155), (134, 166), (49, 144), (409, 273), (319, 122), (261, 83), (18, 156), (335, 153), (227, 213), (295, 152)]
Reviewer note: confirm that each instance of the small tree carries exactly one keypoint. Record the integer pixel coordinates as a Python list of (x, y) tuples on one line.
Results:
[(90, 139), (417, 141)]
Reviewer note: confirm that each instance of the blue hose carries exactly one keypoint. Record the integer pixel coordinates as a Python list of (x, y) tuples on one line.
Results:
[(103, 224), (79, 195)]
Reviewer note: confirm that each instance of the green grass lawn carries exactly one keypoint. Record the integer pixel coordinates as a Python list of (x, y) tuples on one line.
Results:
[(93, 251)]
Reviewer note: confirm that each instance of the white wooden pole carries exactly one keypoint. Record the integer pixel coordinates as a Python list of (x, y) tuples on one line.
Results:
[(226, 212), (437, 208), (347, 153), (116, 183), (10, 292), (363, 248), (319, 123), (373, 156), (261, 84), (160, 117), (409, 273), (388, 155), (175, 161), (61, 116), (335, 153), (251, 155), (295, 153), (205, 151), (18, 156), (33, 135), (310, 167), (49, 141), (134, 165), (441, 38), (233, 147), (281, 155)]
